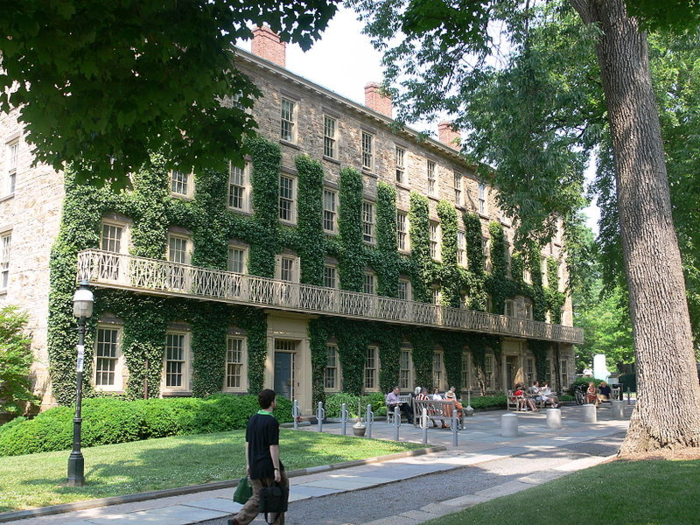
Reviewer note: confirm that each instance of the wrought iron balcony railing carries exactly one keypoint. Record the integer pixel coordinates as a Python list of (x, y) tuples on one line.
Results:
[(153, 276)]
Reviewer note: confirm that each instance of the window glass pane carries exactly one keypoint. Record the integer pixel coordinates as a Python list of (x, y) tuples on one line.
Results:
[(234, 361), (112, 238), (368, 222), (288, 117), (174, 360), (329, 210), (106, 355), (286, 198), (237, 188), (400, 165), (329, 125), (329, 277), (236, 259), (5, 245), (367, 151)]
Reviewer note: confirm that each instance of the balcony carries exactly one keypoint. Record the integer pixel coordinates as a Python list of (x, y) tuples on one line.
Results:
[(153, 276)]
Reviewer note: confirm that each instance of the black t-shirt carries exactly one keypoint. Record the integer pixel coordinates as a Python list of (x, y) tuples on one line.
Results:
[(263, 430), (605, 390)]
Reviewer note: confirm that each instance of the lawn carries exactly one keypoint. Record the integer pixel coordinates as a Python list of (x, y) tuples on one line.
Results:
[(37, 480), (622, 492)]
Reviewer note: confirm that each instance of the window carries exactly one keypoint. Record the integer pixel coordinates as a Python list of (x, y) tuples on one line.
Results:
[(458, 188), (329, 140), (431, 177), (12, 160), (235, 348), (176, 361), (367, 151), (288, 269), (329, 211), (368, 222), (5, 244), (402, 231), (400, 165), (488, 370), (178, 249), (180, 183), (564, 371), (112, 239), (530, 370), (107, 354), (330, 277), (331, 376), (438, 372), (483, 205), (405, 369), (548, 371), (435, 240), (371, 366), (509, 309), (236, 259), (404, 291), (528, 310), (461, 248), (527, 276), (288, 113), (287, 199), (369, 286), (239, 187), (466, 372), (437, 296), (486, 251)]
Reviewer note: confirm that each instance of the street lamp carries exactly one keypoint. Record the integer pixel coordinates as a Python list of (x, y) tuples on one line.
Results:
[(82, 309)]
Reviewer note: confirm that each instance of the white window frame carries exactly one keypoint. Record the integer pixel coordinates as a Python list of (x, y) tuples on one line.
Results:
[(371, 369), (458, 185), (405, 369), (184, 183), (436, 295), (466, 371), (188, 248), (368, 222), (530, 371), (509, 309), (288, 120), (117, 359), (407, 287), (332, 369), (402, 229), (486, 252), (330, 276), (439, 376), (5, 258), (564, 374), (367, 150), (287, 268), (185, 367), (483, 199), (434, 233), (400, 160), (461, 248), (236, 369), (330, 140), (488, 371), (291, 216), (243, 186), (330, 211), (12, 163), (431, 172), (243, 266), (369, 285)]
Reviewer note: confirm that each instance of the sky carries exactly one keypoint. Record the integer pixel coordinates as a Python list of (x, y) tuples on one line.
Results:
[(344, 61)]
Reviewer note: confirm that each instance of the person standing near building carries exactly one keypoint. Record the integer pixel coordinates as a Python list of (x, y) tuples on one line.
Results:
[(262, 454)]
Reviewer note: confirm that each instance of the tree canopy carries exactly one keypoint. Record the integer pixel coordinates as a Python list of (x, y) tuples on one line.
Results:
[(107, 83)]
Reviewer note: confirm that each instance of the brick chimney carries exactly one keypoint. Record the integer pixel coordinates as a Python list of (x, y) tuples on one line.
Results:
[(449, 136), (267, 45), (375, 99)]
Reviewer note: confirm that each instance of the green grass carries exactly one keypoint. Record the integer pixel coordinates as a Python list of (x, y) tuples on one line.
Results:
[(37, 480), (630, 493)]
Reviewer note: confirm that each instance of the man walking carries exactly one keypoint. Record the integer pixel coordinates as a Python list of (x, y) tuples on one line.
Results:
[(262, 455)]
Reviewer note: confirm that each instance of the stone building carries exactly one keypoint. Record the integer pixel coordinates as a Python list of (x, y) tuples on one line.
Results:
[(344, 255)]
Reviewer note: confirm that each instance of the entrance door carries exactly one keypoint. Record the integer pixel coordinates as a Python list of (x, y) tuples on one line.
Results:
[(283, 374)]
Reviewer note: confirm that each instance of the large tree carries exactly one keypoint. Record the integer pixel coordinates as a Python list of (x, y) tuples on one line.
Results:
[(520, 110), (109, 82)]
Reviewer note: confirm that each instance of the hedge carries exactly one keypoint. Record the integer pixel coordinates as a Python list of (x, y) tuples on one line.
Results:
[(111, 420), (334, 403)]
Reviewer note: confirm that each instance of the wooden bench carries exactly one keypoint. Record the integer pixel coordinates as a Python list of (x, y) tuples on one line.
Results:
[(437, 411), (514, 403), (390, 411)]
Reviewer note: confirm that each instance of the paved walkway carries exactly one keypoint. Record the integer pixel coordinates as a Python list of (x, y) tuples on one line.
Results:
[(479, 443)]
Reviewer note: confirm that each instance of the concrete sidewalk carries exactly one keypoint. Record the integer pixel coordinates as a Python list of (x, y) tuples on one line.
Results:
[(479, 443)]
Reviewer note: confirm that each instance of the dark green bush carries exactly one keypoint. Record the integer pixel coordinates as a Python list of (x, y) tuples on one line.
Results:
[(582, 381), (334, 402), (628, 381), (483, 402), (110, 420)]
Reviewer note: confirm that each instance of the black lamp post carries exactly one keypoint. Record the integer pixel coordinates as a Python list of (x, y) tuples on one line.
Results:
[(82, 309)]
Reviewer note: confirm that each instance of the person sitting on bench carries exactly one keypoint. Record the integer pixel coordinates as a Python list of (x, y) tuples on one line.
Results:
[(604, 393), (393, 400)]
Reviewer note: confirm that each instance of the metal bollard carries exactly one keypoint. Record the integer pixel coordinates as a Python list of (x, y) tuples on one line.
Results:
[(343, 419), (397, 422), (295, 414), (455, 428), (424, 425), (320, 415), (369, 420), (628, 396)]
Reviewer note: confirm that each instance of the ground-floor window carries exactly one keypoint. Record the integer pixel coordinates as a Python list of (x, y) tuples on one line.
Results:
[(235, 359), (405, 370), (488, 371), (332, 376), (107, 357), (564, 370), (438, 371), (466, 371), (371, 368), (529, 370), (176, 361)]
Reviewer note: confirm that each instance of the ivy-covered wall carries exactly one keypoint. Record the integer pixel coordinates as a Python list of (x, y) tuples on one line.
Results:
[(152, 211)]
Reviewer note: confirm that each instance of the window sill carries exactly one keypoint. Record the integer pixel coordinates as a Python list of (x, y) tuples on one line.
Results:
[(369, 173), (7, 197), (331, 159), (434, 198), (403, 186), (288, 223), (181, 197), (289, 144), (483, 215), (239, 212), (176, 393)]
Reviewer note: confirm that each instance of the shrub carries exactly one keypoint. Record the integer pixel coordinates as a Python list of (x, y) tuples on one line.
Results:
[(483, 402), (15, 361), (628, 381), (110, 420), (583, 382), (334, 403)]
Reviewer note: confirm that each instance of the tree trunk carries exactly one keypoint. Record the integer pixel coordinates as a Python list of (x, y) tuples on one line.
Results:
[(667, 413)]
